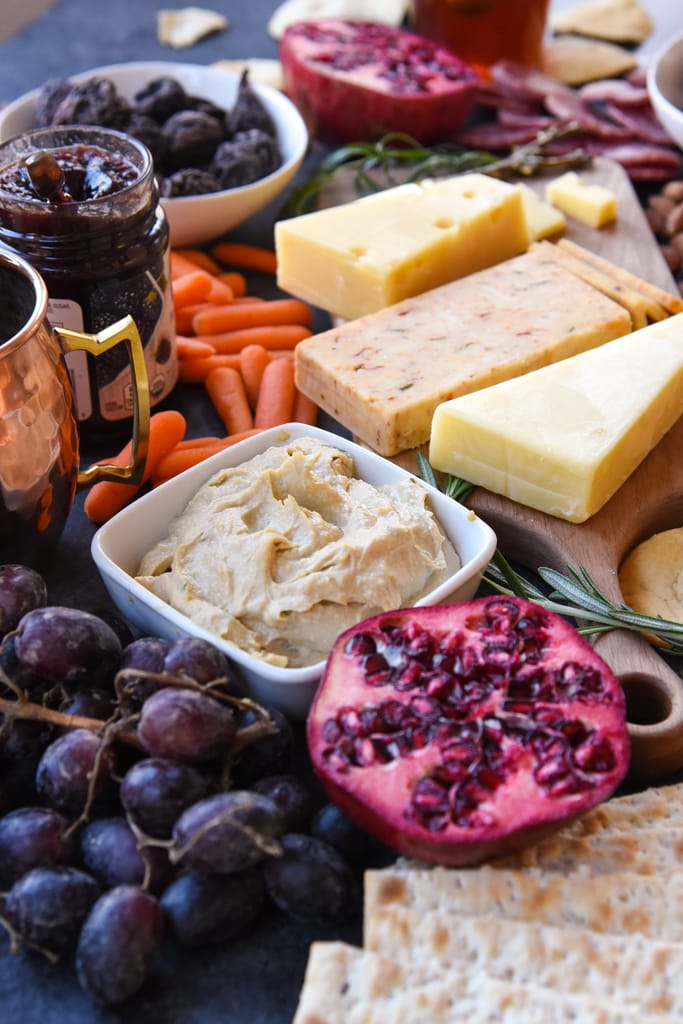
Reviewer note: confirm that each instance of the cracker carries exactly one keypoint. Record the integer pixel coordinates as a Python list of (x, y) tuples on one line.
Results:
[(645, 851), (574, 60), (618, 21), (640, 308), (633, 969), (651, 576), (670, 303), (346, 985), (621, 903), (185, 27)]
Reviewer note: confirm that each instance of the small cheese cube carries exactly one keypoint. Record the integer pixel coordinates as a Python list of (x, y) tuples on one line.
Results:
[(564, 438), (367, 254), (593, 205)]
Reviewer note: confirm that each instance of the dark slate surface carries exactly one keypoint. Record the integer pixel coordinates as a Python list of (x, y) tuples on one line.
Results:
[(256, 978)]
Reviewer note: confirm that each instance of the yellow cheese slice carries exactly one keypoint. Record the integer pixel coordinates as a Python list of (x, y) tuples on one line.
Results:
[(383, 375), (367, 254), (593, 205), (564, 438)]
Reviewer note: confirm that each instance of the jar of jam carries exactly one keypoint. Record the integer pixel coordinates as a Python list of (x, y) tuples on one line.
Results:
[(100, 241)]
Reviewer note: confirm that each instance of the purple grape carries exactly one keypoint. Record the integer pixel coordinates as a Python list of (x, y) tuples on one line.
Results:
[(68, 646), (21, 590), (47, 906), (269, 755), (332, 826), (204, 909), (198, 659), (185, 725), (147, 655), (227, 832), (33, 837), (312, 882), (109, 849), (291, 797), (65, 771), (156, 791), (26, 739), (119, 944), (97, 704)]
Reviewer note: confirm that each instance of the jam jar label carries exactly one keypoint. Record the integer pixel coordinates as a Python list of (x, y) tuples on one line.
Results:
[(147, 298)]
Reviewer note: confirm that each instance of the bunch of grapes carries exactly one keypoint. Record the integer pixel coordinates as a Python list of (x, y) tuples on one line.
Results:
[(144, 795)]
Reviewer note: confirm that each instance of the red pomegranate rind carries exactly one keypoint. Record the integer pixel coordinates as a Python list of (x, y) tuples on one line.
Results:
[(356, 81), (456, 733)]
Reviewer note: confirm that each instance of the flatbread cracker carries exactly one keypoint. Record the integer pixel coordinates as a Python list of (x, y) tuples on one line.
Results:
[(670, 303), (651, 576), (637, 971), (617, 21), (346, 985), (185, 27), (645, 852), (575, 60)]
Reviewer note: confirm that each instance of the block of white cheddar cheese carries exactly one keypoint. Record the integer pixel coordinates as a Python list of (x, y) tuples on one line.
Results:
[(383, 375), (369, 253), (564, 438)]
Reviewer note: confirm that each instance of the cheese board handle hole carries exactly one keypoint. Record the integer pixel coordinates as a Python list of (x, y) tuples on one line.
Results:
[(647, 701)]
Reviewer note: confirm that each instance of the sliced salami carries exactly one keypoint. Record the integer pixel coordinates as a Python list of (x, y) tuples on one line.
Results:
[(641, 124), (570, 107), (615, 90), (517, 80)]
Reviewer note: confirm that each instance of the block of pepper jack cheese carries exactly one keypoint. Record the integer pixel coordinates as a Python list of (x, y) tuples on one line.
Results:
[(383, 375), (564, 438), (369, 253)]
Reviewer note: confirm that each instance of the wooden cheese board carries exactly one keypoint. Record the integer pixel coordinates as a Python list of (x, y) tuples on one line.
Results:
[(650, 501)]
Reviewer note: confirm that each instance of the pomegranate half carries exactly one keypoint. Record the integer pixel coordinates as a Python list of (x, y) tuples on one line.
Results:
[(355, 81), (456, 733)]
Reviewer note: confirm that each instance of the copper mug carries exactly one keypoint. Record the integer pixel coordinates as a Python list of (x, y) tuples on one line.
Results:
[(39, 442)]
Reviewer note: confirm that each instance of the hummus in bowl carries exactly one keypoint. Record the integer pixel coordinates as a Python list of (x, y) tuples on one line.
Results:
[(272, 547), (283, 552)]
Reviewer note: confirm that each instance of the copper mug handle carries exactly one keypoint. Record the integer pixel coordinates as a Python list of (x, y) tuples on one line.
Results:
[(125, 332)]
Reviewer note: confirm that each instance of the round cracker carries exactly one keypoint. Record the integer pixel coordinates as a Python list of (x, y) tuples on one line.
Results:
[(651, 576)]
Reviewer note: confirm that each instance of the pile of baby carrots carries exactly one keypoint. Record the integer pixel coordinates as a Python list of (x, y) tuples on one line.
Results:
[(239, 347)]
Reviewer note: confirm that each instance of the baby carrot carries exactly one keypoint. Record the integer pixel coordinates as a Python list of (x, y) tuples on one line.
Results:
[(195, 370), (106, 498), (305, 410), (193, 348), (276, 395), (253, 361), (225, 388), (191, 288), (250, 257), (275, 336), (185, 316), (236, 281), (221, 293), (181, 459), (200, 259), (252, 314), (180, 265)]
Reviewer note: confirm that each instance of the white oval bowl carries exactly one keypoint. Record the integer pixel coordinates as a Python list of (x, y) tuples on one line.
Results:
[(665, 87), (195, 220), (118, 547)]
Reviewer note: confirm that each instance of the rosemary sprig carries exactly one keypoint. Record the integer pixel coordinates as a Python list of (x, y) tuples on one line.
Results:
[(574, 595), (374, 162)]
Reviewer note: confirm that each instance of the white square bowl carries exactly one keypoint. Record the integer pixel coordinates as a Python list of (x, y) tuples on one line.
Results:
[(119, 545)]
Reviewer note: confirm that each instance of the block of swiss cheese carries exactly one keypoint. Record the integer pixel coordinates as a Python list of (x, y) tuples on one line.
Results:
[(369, 253), (564, 438), (383, 375)]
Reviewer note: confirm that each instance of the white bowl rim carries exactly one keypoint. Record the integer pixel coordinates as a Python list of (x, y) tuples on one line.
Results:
[(652, 76), (155, 68), (231, 456)]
